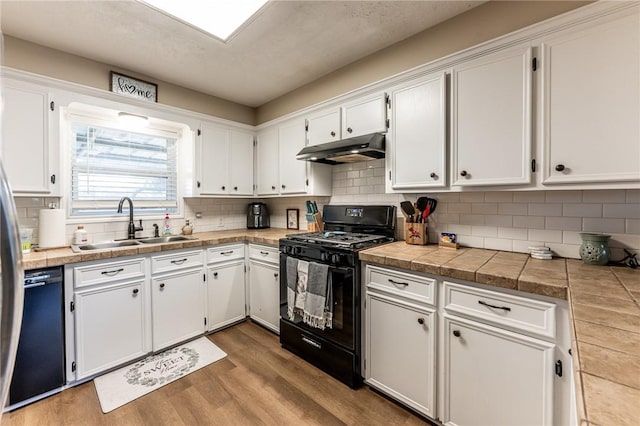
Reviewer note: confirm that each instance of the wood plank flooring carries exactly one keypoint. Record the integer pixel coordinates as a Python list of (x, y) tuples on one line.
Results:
[(258, 383)]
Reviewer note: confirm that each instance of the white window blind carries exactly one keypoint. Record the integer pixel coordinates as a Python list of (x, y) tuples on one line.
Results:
[(108, 164)]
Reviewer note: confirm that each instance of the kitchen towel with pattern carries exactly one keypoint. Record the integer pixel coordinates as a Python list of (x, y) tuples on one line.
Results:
[(319, 297), (292, 283)]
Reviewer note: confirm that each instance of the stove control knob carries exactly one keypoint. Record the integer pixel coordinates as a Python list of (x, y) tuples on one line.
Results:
[(324, 257), (297, 250), (335, 258)]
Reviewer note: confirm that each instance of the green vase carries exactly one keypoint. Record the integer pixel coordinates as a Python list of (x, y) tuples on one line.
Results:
[(595, 249)]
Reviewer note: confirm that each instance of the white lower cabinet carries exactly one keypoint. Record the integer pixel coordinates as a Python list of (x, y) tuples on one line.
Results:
[(226, 294), (178, 307), (264, 287), (400, 342), (495, 377), (400, 358)]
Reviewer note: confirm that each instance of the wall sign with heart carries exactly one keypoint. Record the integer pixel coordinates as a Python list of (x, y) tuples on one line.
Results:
[(129, 86)]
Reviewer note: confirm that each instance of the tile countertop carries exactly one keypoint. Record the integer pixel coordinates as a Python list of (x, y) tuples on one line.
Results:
[(603, 307), (61, 256), (603, 301)]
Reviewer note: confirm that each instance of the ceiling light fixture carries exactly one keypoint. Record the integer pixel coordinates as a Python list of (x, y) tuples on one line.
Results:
[(220, 18)]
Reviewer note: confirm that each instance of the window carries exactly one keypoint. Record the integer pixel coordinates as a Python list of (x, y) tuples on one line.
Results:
[(110, 163)]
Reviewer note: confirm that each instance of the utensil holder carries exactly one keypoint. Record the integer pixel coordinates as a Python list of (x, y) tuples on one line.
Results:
[(415, 233)]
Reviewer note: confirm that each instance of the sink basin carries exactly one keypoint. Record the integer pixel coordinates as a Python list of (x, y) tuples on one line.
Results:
[(167, 239), (105, 245)]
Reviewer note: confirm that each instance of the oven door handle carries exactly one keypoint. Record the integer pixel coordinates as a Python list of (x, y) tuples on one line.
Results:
[(346, 269)]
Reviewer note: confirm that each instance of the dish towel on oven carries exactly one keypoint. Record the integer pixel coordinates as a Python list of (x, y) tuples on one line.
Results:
[(319, 298), (292, 284)]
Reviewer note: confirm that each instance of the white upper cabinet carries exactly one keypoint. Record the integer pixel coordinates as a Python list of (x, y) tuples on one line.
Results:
[(591, 102), (491, 119), (293, 172), (365, 115), (30, 153), (267, 165), (417, 141), (225, 161), (323, 127)]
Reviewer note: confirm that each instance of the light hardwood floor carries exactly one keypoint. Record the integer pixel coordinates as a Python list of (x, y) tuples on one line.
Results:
[(258, 383)]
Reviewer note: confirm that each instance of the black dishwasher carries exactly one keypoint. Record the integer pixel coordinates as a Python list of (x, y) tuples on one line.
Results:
[(40, 361)]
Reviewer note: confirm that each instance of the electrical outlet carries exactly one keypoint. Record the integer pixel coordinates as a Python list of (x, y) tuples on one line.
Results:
[(198, 215)]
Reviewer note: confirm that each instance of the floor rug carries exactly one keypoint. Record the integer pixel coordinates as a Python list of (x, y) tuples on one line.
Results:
[(121, 386)]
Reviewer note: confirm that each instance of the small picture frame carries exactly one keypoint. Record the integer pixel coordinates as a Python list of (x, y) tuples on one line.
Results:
[(293, 217)]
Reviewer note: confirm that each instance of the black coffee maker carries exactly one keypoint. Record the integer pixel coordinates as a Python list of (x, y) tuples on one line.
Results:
[(257, 216)]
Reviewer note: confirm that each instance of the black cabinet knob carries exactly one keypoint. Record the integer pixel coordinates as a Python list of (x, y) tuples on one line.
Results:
[(349, 129), (273, 187), (135, 291), (559, 167), (275, 275), (224, 187), (283, 186), (456, 333), (235, 188), (421, 321), (215, 275), (463, 173), (433, 175), (198, 184), (161, 285), (333, 133)]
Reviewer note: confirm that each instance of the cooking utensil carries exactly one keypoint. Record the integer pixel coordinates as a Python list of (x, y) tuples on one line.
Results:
[(407, 208)]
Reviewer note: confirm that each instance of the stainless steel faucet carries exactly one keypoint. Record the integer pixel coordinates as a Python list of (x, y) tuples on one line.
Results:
[(132, 229)]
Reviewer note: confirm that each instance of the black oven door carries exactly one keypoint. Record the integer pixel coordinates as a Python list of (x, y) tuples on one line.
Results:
[(343, 282)]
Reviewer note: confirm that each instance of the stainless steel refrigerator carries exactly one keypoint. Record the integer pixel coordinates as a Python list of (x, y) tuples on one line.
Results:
[(11, 286)]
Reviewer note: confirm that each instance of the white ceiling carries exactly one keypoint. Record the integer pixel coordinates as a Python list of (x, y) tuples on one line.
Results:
[(289, 44)]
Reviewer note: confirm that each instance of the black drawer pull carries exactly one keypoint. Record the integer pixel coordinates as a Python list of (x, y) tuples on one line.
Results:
[(226, 253), (264, 253), (311, 342), (111, 273), (398, 282), (506, 308), (179, 262)]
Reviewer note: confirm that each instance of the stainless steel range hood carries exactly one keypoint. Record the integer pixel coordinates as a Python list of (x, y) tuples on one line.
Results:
[(359, 148)]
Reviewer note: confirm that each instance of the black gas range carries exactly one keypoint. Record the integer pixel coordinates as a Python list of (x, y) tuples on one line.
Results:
[(348, 229)]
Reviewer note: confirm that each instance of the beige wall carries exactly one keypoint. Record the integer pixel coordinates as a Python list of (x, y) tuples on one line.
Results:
[(23, 55), (483, 23)]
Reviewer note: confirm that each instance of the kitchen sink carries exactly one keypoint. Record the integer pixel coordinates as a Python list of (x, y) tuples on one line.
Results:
[(167, 239), (105, 245)]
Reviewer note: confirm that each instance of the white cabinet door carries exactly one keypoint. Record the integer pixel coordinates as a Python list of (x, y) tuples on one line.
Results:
[(400, 352), (267, 163), (591, 103), (225, 294), (491, 119), (495, 377), (29, 147), (264, 294), (178, 307), (240, 163), (364, 116), (418, 134), (293, 172), (323, 127), (213, 160), (110, 326)]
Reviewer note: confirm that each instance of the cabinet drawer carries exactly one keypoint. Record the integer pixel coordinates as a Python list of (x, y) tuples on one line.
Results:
[(265, 253), (108, 272), (220, 254), (519, 313), (172, 262), (414, 287)]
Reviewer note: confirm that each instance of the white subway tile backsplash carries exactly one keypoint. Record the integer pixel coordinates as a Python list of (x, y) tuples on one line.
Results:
[(471, 219), (615, 226), (472, 197), (484, 231), (604, 196), (459, 229), (633, 196), (544, 209), (471, 241), (624, 241), (528, 222), (498, 220), (632, 226), (563, 223), (547, 235), (582, 210), (30, 202), (522, 246), (459, 207), (529, 197), (628, 211), (571, 237), (513, 233), (339, 176), (353, 174), (512, 208), (498, 244), (446, 217), (563, 196), (448, 197), (565, 250), (484, 208), (498, 197)]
